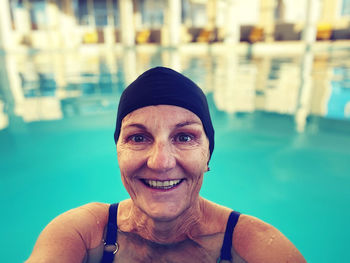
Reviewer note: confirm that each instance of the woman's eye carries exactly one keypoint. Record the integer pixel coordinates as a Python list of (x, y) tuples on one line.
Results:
[(184, 138), (137, 138)]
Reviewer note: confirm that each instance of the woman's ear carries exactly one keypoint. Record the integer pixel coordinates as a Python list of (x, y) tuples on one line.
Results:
[(208, 168)]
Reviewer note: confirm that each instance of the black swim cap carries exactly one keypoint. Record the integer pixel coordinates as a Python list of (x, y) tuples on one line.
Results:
[(164, 86)]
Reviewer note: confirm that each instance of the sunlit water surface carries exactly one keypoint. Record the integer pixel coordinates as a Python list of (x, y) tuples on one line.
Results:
[(282, 149)]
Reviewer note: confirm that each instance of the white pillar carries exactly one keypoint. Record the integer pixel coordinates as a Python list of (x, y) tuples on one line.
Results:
[(22, 19), (211, 8), (68, 26), (5, 25), (53, 21), (129, 65), (229, 96), (109, 33), (4, 119), (266, 19), (5, 86), (59, 68), (137, 16), (127, 22), (305, 91), (312, 13), (232, 35), (9, 78), (52, 15), (174, 22)]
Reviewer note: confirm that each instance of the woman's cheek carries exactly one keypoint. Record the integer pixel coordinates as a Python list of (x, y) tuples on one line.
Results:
[(130, 161)]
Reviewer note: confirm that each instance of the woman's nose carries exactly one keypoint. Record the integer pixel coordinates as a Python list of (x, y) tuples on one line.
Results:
[(161, 157)]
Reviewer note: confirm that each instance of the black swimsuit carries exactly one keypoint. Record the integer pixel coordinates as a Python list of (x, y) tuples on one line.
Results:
[(111, 246)]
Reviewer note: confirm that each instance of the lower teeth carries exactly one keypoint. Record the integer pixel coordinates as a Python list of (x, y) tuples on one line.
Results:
[(164, 187)]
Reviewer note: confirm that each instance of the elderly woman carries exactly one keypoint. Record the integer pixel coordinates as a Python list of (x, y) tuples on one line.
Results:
[(164, 138)]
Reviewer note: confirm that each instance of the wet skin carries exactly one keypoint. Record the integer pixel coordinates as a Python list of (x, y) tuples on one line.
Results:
[(163, 153)]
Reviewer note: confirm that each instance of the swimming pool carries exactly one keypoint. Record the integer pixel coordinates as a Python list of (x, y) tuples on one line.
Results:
[(282, 138)]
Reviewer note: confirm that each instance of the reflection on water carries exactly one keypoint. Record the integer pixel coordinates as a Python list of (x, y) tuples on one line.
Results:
[(54, 85), (258, 103)]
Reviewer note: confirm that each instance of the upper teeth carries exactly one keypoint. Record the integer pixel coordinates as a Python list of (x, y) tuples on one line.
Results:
[(168, 183)]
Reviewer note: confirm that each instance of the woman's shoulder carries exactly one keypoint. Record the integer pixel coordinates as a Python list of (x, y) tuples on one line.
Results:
[(71, 234), (89, 220), (89, 212), (257, 241), (95, 209), (215, 217)]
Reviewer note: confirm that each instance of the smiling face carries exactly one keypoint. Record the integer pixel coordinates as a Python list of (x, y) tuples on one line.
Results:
[(163, 153)]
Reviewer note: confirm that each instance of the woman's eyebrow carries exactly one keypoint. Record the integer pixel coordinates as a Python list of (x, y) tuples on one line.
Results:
[(186, 123), (136, 125), (178, 125)]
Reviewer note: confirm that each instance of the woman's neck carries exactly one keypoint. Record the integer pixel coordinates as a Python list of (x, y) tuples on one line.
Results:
[(183, 227)]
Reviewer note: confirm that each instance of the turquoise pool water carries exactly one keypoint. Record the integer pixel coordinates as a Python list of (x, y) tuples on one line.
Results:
[(282, 145)]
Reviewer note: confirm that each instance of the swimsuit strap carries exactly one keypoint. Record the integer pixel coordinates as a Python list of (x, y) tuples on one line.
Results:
[(110, 242), (111, 246), (227, 244)]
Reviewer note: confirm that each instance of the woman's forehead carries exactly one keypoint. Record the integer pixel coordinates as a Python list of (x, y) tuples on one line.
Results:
[(168, 113)]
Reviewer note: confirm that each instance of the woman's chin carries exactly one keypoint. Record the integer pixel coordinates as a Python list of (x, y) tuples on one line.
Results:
[(163, 212), (162, 205)]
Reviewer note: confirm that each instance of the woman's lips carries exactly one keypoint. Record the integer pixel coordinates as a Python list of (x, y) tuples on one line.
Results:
[(162, 185)]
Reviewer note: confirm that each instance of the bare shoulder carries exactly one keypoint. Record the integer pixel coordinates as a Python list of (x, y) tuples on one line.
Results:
[(257, 241), (88, 220), (71, 234), (98, 211)]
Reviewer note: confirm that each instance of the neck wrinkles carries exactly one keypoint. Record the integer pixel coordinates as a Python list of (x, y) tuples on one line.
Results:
[(166, 232)]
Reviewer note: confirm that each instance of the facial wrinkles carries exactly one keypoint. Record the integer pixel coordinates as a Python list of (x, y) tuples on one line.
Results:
[(161, 124), (183, 227), (163, 156)]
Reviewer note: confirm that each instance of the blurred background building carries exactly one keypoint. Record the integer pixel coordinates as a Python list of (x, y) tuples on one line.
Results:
[(74, 56), (276, 74), (51, 24)]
